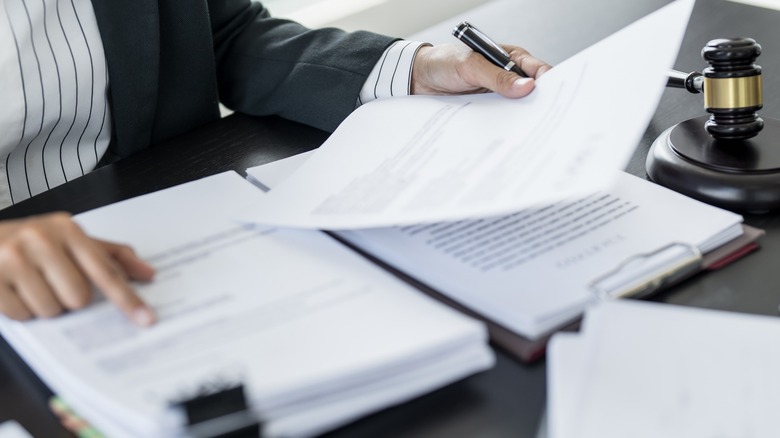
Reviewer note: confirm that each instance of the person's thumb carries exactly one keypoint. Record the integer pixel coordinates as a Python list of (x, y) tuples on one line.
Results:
[(509, 84)]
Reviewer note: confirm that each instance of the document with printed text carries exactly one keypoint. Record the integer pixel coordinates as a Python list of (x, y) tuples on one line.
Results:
[(317, 335), (531, 271), (421, 159)]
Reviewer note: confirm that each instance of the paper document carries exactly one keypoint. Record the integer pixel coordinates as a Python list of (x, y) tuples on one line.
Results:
[(566, 361), (12, 429), (316, 334), (643, 370), (531, 271), (420, 159)]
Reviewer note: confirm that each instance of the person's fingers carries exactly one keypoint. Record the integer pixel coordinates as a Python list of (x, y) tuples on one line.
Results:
[(47, 262), (30, 286), (54, 262), (450, 69), (35, 293), (109, 278), (11, 306), (25, 280), (530, 65), (483, 73), (533, 67), (134, 266), (510, 85)]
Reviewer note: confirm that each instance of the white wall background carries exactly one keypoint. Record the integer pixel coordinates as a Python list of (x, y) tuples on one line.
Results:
[(399, 18)]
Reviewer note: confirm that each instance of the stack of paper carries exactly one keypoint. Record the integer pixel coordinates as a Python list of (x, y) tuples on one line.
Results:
[(640, 369), (504, 205), (317, 335), (532, 271)]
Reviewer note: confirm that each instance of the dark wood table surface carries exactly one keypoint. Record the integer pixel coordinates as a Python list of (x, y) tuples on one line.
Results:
[(507, 400)]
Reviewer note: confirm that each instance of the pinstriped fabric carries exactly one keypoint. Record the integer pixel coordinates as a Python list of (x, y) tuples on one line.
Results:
[(392, 74), (56, 121)]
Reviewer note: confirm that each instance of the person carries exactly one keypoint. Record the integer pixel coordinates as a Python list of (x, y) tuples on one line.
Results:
[(169, 64)]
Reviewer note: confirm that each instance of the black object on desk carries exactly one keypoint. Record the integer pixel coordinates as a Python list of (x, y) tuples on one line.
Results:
[(221, 414), (482, 44), (721, 159)]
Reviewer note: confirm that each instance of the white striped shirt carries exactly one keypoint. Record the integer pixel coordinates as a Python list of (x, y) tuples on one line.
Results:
[(392, 74), (55, 117), (55, 121)]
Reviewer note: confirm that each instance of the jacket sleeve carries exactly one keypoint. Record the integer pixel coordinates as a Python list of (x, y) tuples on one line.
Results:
[(268, 66)]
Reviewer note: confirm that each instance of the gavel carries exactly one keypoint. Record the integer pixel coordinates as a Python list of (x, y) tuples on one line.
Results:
[(732, 87), (720, 158)]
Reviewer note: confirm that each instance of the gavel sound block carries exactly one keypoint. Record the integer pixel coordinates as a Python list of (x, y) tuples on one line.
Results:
[(721, 159)]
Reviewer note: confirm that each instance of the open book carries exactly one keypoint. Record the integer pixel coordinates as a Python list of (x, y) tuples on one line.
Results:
[(535, 270), (316, 335)]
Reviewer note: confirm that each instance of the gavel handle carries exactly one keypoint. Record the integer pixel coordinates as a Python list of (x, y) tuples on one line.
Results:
[(693, 81)]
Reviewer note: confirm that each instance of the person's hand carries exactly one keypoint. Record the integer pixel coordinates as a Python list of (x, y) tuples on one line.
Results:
[(456, 69), (48, 264)]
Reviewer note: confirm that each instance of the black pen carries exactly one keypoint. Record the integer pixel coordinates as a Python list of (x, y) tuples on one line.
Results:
[(482, 44)]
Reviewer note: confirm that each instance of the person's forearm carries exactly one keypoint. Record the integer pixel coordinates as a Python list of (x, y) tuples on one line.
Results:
[(267, 65)]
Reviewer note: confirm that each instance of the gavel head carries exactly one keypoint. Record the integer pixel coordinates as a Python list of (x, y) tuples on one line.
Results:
[(732, 88)]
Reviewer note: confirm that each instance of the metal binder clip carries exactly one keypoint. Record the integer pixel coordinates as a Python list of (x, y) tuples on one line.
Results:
[(644, 274), (221, 414)]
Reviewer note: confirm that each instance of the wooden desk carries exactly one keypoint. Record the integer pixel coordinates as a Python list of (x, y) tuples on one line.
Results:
[(509, 399)]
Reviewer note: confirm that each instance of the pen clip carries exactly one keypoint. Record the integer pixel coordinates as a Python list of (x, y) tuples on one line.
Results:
[(644, 274)]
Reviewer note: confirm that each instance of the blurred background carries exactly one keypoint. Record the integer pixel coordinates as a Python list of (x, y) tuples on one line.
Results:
[(400, 18)]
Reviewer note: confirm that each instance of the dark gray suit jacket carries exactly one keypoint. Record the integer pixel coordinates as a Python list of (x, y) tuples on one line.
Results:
[(171, 61)]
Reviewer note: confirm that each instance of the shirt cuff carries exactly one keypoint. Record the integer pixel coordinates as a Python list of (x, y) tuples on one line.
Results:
[(392, 74)]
